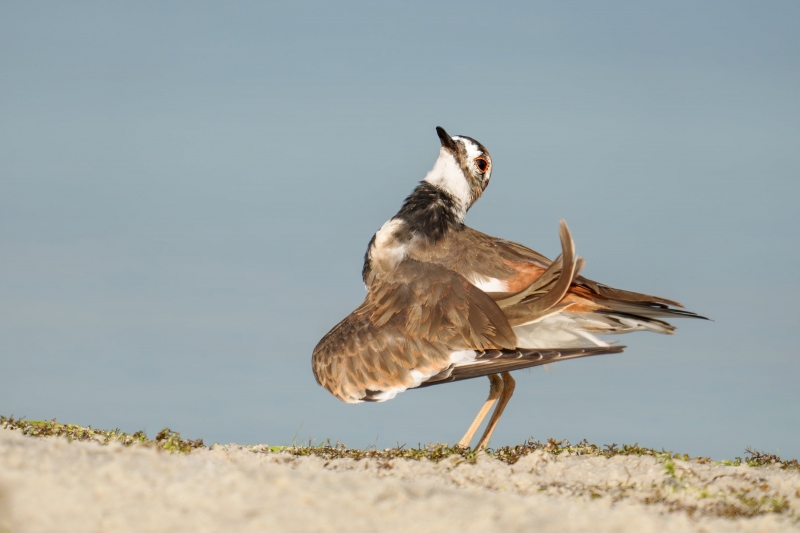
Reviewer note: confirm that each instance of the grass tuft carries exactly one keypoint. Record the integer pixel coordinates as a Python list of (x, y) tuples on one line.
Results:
[(167, 440)]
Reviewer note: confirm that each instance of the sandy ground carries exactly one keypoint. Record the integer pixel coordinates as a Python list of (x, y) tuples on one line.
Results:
[(51, 484)]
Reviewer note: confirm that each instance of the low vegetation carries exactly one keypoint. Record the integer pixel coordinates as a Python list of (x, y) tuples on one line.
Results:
[(685, 487), (171, 441)]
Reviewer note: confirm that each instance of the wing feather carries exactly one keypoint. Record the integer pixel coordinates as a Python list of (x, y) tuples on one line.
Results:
[(425, 309), (412, 321), (496, 361)]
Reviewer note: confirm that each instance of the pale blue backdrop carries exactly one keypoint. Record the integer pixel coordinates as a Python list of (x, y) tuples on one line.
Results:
[(187, 190)]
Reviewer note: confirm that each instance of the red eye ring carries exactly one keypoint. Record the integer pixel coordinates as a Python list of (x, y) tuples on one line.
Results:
[(482, 164)]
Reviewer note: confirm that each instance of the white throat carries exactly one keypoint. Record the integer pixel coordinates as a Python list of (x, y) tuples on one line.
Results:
[(447, 175)]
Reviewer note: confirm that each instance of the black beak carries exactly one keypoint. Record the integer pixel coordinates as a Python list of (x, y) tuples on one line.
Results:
[(447, 141)]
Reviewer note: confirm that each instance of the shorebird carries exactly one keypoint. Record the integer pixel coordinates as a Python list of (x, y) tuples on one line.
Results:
[(446, 302)]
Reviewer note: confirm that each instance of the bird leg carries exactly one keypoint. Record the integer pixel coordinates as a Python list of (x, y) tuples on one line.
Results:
[(507, 391), (495, 390)]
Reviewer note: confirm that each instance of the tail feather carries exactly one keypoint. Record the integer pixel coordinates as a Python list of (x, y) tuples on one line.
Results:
[(619, 295), (650, 312), (543, 296), (617, 322), (626, 317), (651, 309)]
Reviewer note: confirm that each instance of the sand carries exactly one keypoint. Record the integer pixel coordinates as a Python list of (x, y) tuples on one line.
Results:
[(52, 484)]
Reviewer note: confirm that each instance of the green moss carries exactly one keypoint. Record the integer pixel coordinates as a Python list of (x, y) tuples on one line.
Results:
[(166, 439), (669, 465), (171, 441)]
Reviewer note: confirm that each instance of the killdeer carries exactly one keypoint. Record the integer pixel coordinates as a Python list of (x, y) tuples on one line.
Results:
[(446, 302)]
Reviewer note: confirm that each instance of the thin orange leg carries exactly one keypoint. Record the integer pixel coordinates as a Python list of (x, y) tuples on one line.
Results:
[(507, 391), (495, 390)]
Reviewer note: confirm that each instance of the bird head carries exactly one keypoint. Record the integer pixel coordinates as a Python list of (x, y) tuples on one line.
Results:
[(463, 168)]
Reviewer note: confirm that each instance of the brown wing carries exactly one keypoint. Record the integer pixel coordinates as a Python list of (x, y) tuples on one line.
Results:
[(470, 252), (407, 327)]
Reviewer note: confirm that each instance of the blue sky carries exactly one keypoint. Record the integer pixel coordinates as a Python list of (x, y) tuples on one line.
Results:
[(187, 191)]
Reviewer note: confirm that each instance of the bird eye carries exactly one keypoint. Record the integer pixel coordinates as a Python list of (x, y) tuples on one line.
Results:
[(482, 164)]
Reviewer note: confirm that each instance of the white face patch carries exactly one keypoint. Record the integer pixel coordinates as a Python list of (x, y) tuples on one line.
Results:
[(446, 174), (472, 149), (472, 152)]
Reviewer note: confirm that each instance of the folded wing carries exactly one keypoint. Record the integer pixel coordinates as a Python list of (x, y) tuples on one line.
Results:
[(408, 329)]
